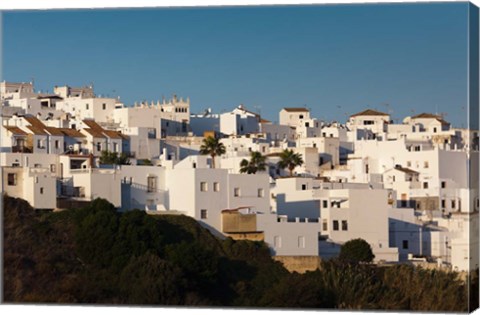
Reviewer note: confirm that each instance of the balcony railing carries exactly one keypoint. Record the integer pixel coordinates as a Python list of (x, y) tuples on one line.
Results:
[(21, 149)]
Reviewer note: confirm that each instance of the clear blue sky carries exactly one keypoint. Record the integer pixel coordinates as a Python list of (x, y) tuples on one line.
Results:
[(335, 59)]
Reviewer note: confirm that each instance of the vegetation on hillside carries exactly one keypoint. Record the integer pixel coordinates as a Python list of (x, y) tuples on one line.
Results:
[(356, 251), (97, 255)]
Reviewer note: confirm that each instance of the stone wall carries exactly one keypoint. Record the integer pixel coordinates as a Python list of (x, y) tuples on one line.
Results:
[(300, 264)]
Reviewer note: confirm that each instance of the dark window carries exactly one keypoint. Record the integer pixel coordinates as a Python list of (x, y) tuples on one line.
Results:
[(425, 185), (344, 225), (12, 179), (104, 106), (307, 124), (203, 214), (300, 116), (325, 225), (99, 146), (41, 190), (304, 187), (443, 203), (325, 203), (444, 184), (57, 144), (335, 225), (453, 204), (405, 244)]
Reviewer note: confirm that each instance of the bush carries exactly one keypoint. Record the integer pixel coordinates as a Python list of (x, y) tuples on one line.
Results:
[(356, 251)]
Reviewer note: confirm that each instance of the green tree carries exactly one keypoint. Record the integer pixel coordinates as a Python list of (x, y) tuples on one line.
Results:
[(290, 160), (109, 157), (356, 251), (213, 147), (148, 279), (256, 163)]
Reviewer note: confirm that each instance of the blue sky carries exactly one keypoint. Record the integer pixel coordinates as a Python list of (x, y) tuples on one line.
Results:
[(335, 59)]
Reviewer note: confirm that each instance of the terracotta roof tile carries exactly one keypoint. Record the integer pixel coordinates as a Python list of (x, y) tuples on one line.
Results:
[(54, 131), (296, 109), (369, 112), (431, 116), (15, 130), (94, 133), (37, 131), (72, 133)]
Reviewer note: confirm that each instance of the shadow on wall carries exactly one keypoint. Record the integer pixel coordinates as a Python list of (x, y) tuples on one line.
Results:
[(298, 209)]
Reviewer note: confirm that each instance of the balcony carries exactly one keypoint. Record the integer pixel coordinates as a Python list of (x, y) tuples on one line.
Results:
[(21, 149)]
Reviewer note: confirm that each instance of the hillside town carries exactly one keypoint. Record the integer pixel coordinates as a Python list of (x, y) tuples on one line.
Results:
[(304, 186)]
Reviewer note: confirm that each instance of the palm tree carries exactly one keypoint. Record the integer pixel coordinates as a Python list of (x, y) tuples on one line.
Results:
[(290, 160), (256, 163), (213, 147)]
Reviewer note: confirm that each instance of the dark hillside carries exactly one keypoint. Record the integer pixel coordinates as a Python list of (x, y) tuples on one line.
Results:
[(97, 255)]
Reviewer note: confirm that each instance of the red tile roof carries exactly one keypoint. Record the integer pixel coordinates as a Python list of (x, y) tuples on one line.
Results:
[(369, 112), (296, 109), (15, 130)]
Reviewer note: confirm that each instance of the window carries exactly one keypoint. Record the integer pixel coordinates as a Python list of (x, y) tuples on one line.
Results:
[(216, 186), (434, 129), (99, 146), (53, 168), (260, 192), (344, 225), (368, 122), (304, 186), (443, 203), (324, 224), (300, 116), (203, 186), (86, 106), (57, 144), (203, 214), (39, 144), (104, 106), (425, 164), (393, 178), (41, 190), (405, 244), (366, 169), (325, 203), (335, 225), (151, 183), (236, 192), (115, 147), (36, 179), (444, 184), (417, 148), (307, 124), (12, 179), (277, 241), (301, 241), (194, 165), (409, 163), (425, 185), (453, 204)]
